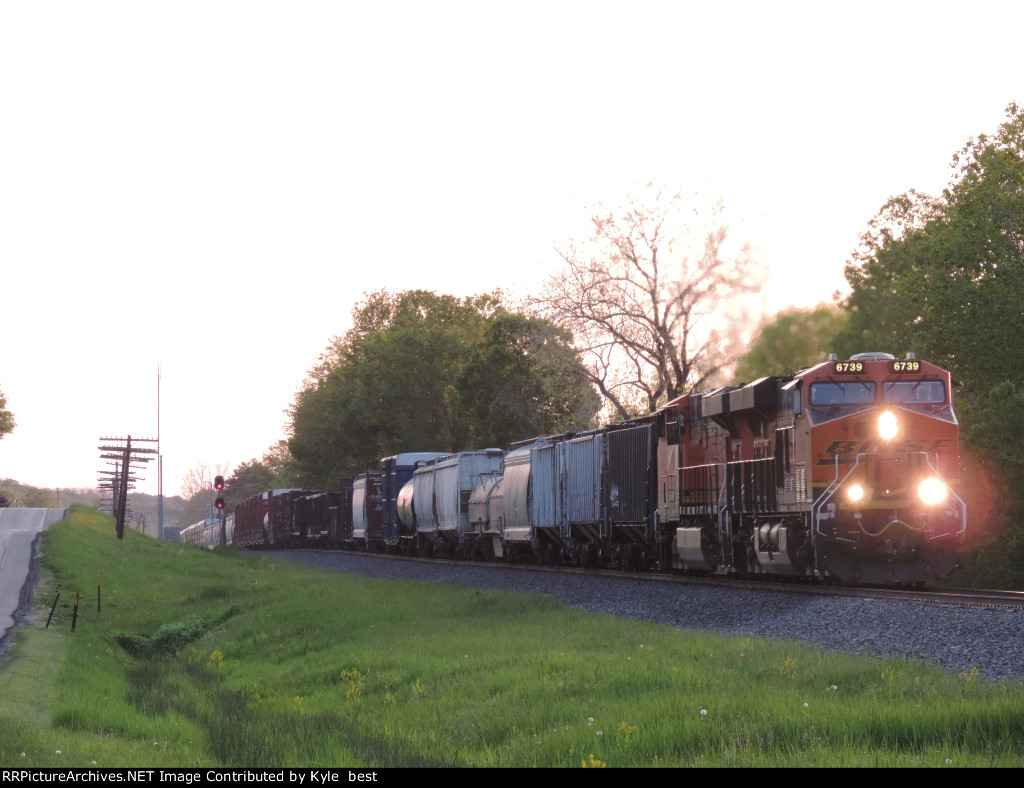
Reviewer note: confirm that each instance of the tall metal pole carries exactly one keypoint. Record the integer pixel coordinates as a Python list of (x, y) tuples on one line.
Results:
[(159, 465)]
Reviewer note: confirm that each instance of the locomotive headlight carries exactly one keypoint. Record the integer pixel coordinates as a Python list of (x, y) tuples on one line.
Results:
[(888, 425), (931, 491), (855, 493)]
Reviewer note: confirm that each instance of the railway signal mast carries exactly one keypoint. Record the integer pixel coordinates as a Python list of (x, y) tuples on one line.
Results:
[(218, 485)]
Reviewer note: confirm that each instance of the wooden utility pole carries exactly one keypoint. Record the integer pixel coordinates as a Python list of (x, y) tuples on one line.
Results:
[(124, 456)]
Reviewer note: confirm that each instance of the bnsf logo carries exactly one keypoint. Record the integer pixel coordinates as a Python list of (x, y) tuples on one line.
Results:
[(847, 451)]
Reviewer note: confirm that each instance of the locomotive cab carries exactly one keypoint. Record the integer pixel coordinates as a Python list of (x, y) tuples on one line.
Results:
[(884, 448)]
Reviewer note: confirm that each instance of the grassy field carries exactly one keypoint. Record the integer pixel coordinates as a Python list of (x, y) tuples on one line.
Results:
[(220, 658)]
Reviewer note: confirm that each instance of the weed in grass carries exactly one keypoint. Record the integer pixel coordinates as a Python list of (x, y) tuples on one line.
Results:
[(593, 763), (355, 681)]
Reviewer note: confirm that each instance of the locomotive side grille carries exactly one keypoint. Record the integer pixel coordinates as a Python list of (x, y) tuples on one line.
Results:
[(796, 483)]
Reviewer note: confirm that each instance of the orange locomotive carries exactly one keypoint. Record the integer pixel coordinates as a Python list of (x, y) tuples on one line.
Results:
[(845, 470)]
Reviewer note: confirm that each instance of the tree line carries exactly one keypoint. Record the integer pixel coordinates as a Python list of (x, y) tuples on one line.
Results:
[(425, 372), (419, 371)]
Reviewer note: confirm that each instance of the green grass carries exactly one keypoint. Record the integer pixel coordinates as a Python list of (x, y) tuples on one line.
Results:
[(220, 658)]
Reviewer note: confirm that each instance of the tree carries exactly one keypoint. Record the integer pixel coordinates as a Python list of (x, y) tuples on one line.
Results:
[(197, 490), (385, 386), (324, 432), (792, 340), (275, 470), (198, 507), (640, 298), (248, 479), (7, 423), (425, 372), (524, 380), (881, 316), (279, 462), (998, 425), (37, 498), (198, 478)]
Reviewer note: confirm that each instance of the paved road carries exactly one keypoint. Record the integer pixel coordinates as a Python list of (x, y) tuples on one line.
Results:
[(19, 528)]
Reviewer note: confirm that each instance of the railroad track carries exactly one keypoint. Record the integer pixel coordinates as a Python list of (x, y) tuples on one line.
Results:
[(945, 596)]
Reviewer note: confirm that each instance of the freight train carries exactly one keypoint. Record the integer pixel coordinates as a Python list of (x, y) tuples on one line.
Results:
[(846, 471)]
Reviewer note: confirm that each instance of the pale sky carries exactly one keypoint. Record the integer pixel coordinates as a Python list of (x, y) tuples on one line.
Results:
[(211, 186)]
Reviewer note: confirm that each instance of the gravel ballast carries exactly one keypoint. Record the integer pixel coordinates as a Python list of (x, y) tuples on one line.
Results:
[(959, 638)]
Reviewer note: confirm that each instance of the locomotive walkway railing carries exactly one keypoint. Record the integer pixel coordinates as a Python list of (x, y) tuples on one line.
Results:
[(819, 514)]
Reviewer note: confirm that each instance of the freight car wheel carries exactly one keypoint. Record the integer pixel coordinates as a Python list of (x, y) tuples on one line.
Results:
[(424, 547)]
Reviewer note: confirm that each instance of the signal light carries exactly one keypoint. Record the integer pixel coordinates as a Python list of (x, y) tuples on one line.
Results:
[(219, 503), (218, 482)]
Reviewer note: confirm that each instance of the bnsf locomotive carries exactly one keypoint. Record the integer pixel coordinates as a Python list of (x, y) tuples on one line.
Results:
[(847, 470)]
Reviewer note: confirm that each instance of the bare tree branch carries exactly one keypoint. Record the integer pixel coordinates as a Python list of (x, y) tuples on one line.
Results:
[(641, 296), (198, 478)]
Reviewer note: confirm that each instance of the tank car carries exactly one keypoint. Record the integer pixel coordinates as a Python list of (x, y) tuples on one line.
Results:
[(190, 534), (398, 470), (210, 532), (845, 470)]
